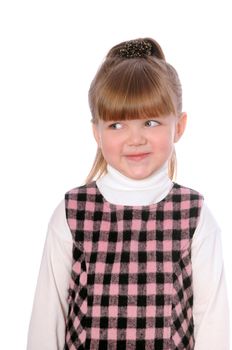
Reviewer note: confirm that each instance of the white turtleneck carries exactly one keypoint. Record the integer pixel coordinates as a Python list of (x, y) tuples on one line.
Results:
[(210, 310), (119, 189)]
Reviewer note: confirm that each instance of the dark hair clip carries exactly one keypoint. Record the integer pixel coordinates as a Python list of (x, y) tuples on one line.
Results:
[(135, 48)]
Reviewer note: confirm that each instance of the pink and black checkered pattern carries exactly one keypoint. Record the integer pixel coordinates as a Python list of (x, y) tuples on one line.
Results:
[(131, 281)]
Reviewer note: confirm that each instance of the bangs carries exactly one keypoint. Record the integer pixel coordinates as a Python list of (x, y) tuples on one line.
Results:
[(134, 92)]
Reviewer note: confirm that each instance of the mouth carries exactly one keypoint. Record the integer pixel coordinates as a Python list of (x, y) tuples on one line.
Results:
[(137, 157)]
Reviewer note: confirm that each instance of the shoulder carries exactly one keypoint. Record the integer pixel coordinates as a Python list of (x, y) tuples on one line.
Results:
[(186, 191), (83, 189), (208, 227), (187, 199), (57, 226), (76, 198)]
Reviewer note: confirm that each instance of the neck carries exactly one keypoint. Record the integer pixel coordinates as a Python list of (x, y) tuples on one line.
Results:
[(119, 189)]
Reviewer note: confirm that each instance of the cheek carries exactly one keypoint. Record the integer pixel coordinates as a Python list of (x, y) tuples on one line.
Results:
[(164, 140), (166, 148), (108, 144)]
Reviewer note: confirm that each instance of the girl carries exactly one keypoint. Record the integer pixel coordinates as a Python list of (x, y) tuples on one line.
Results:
[(132, 260)]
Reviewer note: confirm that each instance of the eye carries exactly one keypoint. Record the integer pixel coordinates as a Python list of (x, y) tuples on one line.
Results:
[(151, 123), (115, 126)]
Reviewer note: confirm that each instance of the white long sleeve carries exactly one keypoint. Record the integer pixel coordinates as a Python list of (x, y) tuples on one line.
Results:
[(210, 310), (47, 326), (210, 307)]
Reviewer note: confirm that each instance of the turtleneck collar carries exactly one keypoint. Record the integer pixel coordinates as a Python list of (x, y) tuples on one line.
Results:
[(116, 188)]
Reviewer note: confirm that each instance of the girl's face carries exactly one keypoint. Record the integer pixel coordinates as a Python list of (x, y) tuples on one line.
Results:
[(139, 147)]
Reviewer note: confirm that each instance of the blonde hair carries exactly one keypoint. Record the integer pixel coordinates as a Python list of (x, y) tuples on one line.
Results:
[(130, 86)]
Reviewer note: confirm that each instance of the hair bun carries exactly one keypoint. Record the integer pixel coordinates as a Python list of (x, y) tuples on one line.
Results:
[(135, 48)]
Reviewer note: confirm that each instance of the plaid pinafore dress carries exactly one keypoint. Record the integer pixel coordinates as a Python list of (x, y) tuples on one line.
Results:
[(131, 279)]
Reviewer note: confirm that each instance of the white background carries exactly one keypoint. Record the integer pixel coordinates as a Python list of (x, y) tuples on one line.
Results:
[(50, 51)]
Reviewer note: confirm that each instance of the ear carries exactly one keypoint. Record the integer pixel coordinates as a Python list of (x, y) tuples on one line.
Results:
[(96, 134), (180, 126)]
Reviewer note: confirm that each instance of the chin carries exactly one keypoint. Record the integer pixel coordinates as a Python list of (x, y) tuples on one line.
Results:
[(139, 176)]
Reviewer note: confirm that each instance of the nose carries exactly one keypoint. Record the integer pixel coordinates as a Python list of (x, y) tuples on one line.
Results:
[(136, 137)]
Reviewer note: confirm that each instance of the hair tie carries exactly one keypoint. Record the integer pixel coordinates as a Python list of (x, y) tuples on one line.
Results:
[(135, 48)]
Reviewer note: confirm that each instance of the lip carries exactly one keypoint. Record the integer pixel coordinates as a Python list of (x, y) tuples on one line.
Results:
[(137, 157)]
